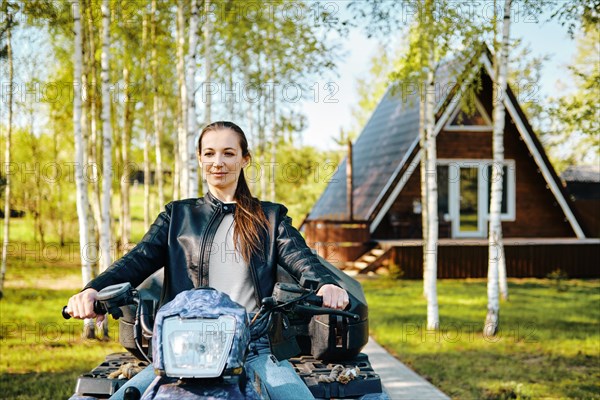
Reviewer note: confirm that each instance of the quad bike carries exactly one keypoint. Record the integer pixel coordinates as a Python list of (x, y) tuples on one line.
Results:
[(198, 342)]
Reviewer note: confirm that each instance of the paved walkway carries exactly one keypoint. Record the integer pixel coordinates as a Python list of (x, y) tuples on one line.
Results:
[(400, 381)]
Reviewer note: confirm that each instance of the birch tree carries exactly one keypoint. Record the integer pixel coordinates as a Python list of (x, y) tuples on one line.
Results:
[(124, 182), (82, 199), (147, 119), (208, 52), (105, 231), (89, 125), (7, 10), (191, 162), (155, 100), (92, 98), (182, 148), (208, 59), (430, 157), (496, 264)]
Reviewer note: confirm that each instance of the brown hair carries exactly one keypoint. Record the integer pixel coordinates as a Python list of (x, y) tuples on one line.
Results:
[(250, 220)]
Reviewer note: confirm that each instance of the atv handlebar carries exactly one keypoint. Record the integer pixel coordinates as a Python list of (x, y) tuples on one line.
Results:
[(295, 298), (99, 309), (110, 299)]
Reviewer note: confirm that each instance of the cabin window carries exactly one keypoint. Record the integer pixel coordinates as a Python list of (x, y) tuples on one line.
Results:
[(464, 195), (442, 180), (476, 120)]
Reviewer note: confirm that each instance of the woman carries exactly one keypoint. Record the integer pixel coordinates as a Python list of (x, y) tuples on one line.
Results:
[(227, 240)]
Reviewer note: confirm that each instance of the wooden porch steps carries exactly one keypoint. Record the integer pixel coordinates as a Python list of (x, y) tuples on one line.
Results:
[(369, 261)]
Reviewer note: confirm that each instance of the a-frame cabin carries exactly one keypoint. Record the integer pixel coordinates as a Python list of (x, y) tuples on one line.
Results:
[(542, 229)]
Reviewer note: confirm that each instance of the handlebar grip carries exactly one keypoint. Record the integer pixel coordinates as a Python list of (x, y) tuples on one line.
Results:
[(313, 310), (98, 309), (314, 300)]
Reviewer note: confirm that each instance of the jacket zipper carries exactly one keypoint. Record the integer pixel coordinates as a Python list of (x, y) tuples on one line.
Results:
[(257, 295), (208, 237)]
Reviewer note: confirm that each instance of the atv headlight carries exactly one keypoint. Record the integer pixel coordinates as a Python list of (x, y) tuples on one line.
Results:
[(197, 348)]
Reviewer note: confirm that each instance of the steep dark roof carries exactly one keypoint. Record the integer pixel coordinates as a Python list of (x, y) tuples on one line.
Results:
[(380, 148), (377, 152)]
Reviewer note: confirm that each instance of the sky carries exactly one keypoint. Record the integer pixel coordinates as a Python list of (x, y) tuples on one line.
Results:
[(326, 116)]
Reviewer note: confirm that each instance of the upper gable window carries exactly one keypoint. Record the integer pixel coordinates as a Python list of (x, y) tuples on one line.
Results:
[(478, 120)]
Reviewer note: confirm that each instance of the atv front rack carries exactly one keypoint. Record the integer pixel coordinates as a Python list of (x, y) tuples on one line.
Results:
[(97, 384), (310, 369)]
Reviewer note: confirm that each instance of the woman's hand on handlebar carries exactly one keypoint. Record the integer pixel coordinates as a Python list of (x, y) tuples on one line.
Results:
[(334, 297), (81, 305)]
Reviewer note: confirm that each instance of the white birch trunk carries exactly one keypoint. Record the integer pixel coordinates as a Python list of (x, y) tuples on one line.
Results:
[(208, 70), (273, 147), (502, 82), (5, 241), (147, 176), (251, 132), (423, 170), (92, 161), (157, 139), (146, 148), (158, 155), (208, 60), (177, 158), (184, 176), (191, 159), (262, 126), (432, 199), (496, 252), (81, 189), (124, 184), (105, 231), (94, 217)]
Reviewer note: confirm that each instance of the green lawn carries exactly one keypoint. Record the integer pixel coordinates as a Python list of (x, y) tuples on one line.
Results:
[(41, 354), (548, 345)]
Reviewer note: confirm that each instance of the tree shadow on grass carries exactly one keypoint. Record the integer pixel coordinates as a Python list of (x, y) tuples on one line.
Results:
[(38, 385), (537, 375)]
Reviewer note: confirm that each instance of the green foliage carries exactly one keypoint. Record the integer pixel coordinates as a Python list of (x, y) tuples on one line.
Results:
[(302, 176), (577, 13), (573, 137), (506, 391), (395, 271), (246, 50), (524, 74), (558, 276), (547, 345), (42, 183)]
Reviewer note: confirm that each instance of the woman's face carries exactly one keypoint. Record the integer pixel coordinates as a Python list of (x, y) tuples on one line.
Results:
[(221, 160)]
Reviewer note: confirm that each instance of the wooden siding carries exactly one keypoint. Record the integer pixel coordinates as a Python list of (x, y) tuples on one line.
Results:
[(588, 211), (532, 258), (338, 242)]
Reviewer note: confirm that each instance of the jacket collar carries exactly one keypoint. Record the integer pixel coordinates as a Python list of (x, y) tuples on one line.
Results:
[(217, 204)]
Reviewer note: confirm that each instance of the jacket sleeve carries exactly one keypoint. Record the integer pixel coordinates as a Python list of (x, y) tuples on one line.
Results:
[(296, 257), (148, 256)]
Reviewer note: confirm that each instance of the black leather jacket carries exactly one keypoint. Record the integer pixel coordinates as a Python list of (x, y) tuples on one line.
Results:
[(180, 240)]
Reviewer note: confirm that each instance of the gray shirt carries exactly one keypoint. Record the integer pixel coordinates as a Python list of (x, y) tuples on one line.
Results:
[(228, 272)]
